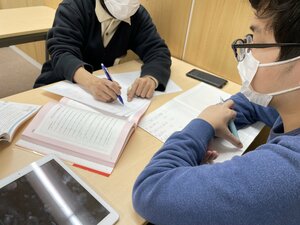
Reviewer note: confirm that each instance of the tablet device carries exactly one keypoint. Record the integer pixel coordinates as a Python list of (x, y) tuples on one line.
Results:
[(48, 192)]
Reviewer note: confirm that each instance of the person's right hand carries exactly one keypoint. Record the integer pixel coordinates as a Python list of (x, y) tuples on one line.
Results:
[(102, 89), (218, 116)]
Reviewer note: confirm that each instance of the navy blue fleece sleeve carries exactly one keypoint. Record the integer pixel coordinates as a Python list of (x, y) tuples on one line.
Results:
[(260, 187), (249, 113)]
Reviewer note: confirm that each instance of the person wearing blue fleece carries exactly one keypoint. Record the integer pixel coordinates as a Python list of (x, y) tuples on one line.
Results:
[(262, 187)]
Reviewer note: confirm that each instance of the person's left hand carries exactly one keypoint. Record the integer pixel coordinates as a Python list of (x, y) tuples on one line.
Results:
[(142, 87), (210, 155)]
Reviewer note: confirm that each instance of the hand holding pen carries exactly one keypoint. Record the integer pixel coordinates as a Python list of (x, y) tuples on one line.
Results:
[(231, 124), (109, 78), (218, 116), (102, 90)]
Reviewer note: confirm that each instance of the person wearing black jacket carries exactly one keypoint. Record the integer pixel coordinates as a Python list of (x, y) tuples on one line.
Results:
[(86, 33)]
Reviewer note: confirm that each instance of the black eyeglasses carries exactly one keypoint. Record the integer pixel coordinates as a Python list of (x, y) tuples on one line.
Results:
[(241, 46)]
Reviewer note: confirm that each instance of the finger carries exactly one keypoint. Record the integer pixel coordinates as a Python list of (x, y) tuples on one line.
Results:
[(111, 95), (110, 100), (140, 87), (214, 155), (129, 89), (233, 139), (233, 114), (131, 92), (150, 92), (229, 104), (151, 87), (103, 97), (114, 86), (206, 157), (148, 87), (145, 89), (110, 92), (210, 157)]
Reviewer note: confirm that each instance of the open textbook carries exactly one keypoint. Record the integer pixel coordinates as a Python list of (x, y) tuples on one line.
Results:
[(78, 93), (12, 116), (89, 138), (177, 113)]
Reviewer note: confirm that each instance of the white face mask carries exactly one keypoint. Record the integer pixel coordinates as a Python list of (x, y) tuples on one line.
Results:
[(248, 68), (122, 9)]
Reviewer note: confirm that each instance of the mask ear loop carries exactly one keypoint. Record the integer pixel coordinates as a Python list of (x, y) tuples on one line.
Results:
[(279, 63), (284, 91)]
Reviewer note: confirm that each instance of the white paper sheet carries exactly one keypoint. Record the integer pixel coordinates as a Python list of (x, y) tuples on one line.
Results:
[(127, 79), (76, 92)]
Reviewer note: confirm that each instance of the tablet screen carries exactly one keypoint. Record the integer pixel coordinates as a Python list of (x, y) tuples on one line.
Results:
[(48, 194)]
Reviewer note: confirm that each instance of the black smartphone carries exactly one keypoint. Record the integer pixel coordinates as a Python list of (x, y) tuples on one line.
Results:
[(207, 78)]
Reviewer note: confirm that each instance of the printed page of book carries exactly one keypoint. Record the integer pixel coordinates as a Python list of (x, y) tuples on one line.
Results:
[(12, 115), (177, 113), (79, 132)]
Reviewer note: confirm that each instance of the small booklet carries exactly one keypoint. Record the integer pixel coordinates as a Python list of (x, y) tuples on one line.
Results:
[(12, 116), (89, 138)]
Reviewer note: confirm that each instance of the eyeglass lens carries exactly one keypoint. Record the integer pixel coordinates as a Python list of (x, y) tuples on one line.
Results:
[(241, 52)]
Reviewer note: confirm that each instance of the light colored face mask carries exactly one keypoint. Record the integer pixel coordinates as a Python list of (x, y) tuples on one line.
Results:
[(122, 9), (248, 68)]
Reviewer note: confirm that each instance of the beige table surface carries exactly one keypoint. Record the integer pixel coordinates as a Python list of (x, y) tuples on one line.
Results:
[(25, 21), (117, 188)]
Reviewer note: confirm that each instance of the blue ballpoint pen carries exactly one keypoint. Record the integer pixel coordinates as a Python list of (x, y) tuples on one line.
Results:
[(109, 78), (231, 125)]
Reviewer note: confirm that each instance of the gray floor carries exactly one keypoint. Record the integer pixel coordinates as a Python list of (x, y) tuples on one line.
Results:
[(16, 73)]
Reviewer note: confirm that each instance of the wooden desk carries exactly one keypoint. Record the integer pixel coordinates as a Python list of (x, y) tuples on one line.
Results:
[(27, 24), (117, 188)]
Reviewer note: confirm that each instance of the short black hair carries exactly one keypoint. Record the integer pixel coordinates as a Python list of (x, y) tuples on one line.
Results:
[(284, 18)]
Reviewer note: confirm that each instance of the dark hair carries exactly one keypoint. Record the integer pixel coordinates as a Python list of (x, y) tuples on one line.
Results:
[(284, 18)]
